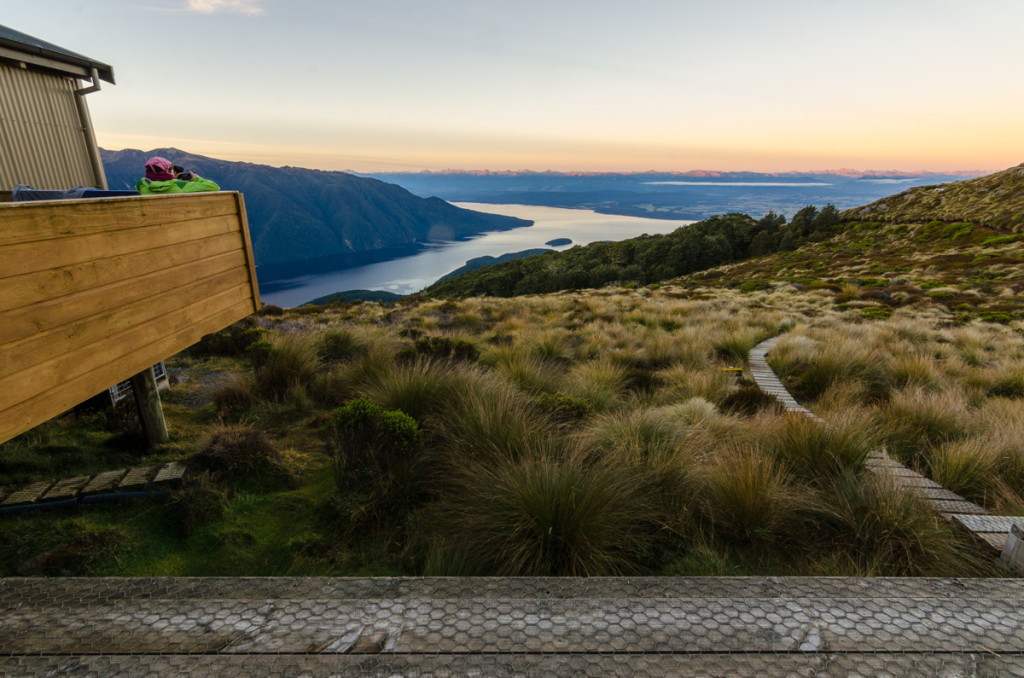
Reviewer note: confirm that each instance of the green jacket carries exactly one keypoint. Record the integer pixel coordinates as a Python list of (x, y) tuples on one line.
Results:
[(149, 187)]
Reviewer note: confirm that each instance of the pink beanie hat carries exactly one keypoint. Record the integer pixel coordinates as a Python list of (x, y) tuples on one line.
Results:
[(159, 169)]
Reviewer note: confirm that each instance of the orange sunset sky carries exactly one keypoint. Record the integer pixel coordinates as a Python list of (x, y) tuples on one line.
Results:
[(394, 85)]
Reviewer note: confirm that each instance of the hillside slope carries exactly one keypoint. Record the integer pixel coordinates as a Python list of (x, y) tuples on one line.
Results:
[(995, 200), (303, 215), (955, 233)]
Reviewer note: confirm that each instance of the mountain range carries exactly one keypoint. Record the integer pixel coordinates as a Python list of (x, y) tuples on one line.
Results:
[(973, 216), (697, 194), (305, 221)]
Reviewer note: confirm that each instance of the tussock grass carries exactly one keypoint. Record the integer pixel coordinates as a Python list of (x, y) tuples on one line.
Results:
[(747, 495), (633, 434), (243, 455), (890, 532), (419, 389), (709, 383), (529, 371), (593, 435), (601, 383), (915, 420), (966, 467), (291, 361), (543, 515), (491, 418), (814, 451)]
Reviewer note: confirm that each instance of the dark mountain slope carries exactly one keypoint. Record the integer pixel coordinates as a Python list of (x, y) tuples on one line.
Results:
[(298, 215)]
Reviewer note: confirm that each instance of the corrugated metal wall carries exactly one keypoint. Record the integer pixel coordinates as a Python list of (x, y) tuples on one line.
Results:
[(42, 143)]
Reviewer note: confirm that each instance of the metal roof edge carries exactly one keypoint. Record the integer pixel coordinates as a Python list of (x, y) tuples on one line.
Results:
[(42, 53)]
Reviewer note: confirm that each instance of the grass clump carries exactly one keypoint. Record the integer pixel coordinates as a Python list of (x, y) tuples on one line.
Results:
[(891, 532), (285, 362), (243, 456), (748, 496), (816, 451), (546, 516), (750, 401), (915, 420)]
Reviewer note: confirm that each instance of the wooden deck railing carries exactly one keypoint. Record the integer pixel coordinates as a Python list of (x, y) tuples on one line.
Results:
[(95, 291)]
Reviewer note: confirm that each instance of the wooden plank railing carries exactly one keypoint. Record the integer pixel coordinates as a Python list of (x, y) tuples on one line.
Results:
[(95, 291)]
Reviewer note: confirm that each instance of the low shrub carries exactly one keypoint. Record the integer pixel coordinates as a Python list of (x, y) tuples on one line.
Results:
[(374, 452), (243, 456), (231, 341), (564, 407), (446, 348)]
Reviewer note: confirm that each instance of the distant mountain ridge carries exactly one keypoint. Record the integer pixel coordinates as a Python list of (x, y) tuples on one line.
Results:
[(304, 220), (696, 194), (972, 214)]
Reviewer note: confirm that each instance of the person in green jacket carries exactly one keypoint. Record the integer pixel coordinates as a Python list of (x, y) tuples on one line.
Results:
[(163, 177)]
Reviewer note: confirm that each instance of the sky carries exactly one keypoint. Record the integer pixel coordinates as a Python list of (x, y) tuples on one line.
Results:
[(565, 85)]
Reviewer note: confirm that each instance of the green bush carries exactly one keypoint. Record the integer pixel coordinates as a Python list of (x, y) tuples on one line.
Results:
[(374, 452), (999, 240), (1000, 317), (754, 286), (957, 230), (877, 312)]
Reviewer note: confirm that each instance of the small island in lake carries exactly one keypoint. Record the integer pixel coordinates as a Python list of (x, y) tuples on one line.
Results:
[(558, 242)]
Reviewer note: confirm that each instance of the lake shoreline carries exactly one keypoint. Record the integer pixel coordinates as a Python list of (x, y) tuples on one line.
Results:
[(407, 269)]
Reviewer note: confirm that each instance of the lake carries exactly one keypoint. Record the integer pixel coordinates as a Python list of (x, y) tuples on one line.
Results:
[(412, 273)]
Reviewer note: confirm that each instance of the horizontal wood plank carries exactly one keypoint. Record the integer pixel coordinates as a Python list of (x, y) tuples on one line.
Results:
[(42, 255), (94, 291), (33, 288), (40, 347), (31, 221), (28, 320), (88, 357), (48, 404)]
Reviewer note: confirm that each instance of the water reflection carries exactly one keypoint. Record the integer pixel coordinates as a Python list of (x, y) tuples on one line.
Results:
[(411, 274)]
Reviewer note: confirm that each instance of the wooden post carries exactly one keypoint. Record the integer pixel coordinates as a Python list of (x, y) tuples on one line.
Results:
[(147, 399)]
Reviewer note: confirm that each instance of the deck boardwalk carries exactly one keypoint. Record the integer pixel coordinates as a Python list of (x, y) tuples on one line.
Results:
[(757, 626), (991, 531)]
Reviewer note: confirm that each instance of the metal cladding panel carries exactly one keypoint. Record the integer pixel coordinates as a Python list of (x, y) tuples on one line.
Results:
[(42, 142)]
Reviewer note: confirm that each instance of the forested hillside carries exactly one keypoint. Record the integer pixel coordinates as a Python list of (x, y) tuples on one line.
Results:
[(646, 259)]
